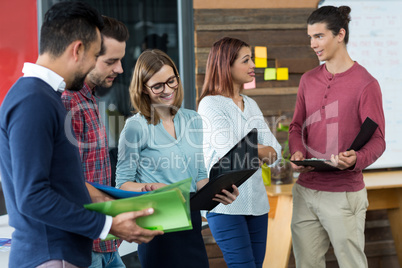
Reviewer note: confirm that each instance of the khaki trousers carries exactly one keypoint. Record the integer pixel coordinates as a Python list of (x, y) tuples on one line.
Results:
[(322, 217)]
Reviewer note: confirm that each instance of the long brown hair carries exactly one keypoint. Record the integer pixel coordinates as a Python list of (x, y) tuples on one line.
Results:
[(149, 63), (218, 77)]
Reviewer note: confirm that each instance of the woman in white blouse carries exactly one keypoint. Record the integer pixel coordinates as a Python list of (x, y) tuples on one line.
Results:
[(240, 229)]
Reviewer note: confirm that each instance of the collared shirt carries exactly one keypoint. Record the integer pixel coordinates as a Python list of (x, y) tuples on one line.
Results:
[(92, 143), (58, 84), (224, 126), (47, 75)]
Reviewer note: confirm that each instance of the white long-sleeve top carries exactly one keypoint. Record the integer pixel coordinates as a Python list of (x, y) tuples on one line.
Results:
[(225, 125)]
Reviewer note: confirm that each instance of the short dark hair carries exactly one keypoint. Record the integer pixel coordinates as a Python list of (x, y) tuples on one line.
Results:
[(115, 29), (335, 18), (66, 22)]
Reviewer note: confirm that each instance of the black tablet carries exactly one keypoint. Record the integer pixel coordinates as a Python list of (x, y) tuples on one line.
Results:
[(202, 200), (318, 164), (244, 155), (235, 167)]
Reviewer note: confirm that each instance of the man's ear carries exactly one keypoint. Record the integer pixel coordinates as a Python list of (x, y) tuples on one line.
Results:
[(78, 50), (341, 35)]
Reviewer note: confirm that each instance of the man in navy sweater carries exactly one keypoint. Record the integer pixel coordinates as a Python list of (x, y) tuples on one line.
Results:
[(41, 172)]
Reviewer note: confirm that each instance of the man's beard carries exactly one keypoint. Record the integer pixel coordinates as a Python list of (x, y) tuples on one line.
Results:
[(78, 83), (98, 80)]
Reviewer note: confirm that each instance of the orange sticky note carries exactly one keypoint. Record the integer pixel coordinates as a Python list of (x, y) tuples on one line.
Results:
[(261, 63), (260, 52), (270, 74), (282, 74), (249, 85)]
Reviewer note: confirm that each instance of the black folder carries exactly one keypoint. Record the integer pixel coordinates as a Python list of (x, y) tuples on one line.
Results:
[(235, 167), (367, 130)]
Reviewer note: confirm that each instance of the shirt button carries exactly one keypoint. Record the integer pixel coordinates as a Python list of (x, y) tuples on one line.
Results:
[(323, 107), (328, 86), (325, 96)]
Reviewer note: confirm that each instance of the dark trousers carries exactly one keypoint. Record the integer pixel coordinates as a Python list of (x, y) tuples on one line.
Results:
[(182, 249)]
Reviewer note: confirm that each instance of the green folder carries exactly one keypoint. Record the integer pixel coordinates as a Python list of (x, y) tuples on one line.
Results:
[(170, 203)]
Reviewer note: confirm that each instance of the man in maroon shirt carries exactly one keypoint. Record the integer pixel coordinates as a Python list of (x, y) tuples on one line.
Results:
[(332, 102)]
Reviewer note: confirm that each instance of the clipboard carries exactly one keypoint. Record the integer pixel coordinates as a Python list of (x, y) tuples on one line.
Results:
[(235, 167), (367, 130)]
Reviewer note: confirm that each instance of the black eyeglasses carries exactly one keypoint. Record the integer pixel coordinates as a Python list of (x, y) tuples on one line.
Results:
[(158, 88)]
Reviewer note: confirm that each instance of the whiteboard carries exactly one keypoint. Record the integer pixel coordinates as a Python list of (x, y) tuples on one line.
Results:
[(375, 42)]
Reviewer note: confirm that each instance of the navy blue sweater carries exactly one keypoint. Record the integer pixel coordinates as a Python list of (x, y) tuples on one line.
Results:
[(42, 179)]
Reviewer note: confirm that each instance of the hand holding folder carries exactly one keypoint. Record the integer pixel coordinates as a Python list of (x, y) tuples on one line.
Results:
[(170, 203), (114, 192), (366, 131)]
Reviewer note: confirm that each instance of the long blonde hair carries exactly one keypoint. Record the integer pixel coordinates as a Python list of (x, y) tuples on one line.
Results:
[(149, 63)]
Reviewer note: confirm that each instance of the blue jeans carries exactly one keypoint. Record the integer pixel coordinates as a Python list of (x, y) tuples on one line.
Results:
[(106, 260), (241, 238)]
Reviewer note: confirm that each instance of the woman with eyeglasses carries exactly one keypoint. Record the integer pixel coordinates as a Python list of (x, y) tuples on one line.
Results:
[(161, 145)]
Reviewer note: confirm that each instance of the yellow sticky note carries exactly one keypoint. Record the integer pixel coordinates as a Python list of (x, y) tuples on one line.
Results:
[(260, 52), (282, 74), (270, 74), (249, 85), (261, 63)]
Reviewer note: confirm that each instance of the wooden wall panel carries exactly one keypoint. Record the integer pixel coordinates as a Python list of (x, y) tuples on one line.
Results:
[(241, 4), (275, 105), (256, 37), (236, 17), (295, 66)]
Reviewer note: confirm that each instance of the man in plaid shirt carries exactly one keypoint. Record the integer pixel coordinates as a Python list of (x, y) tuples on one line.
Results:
[(90, 132)]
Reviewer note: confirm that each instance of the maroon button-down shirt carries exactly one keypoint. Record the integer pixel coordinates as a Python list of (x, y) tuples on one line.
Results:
[(330, 110)]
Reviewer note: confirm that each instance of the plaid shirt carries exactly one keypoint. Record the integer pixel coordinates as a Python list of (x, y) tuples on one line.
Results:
[(92, 142)]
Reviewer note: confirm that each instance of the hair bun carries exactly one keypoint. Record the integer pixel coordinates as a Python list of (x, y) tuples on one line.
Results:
[(345, 11)]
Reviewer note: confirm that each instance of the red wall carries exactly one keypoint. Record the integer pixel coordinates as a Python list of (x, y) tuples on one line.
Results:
[(18, 40)]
